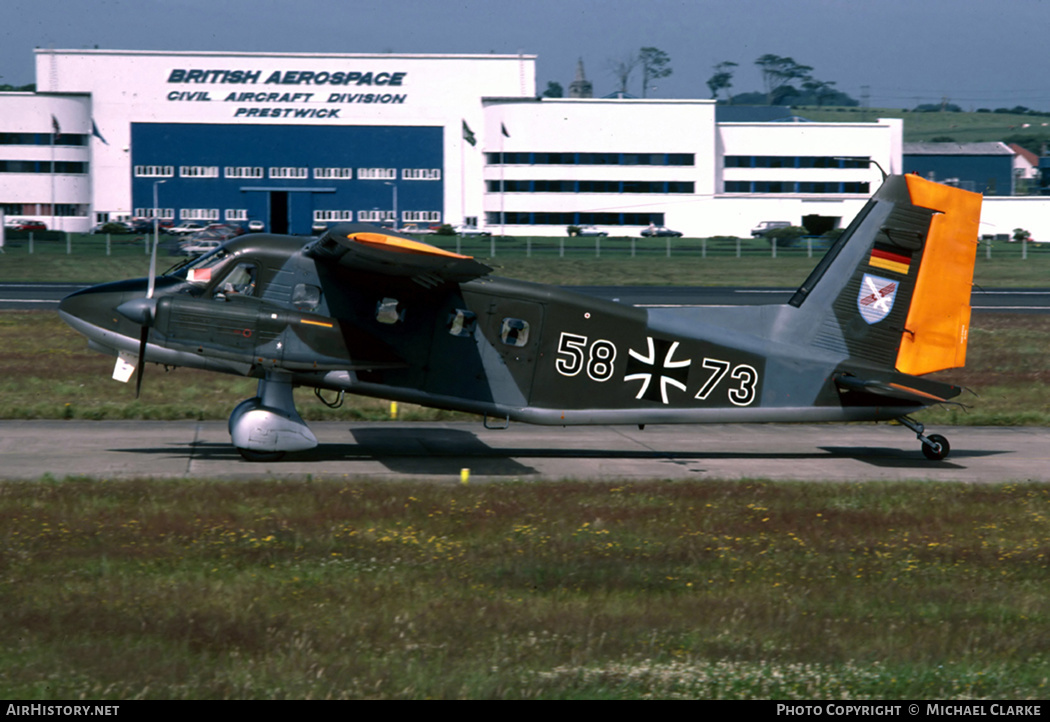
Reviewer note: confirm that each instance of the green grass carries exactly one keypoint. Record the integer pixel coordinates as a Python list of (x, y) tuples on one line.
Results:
[(587, 261), (350, 589), (1029, 130), (47, 372)]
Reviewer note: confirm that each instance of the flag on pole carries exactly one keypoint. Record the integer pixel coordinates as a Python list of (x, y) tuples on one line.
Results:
[(468, 134), (94, 132), (503, 129), (55, 126)]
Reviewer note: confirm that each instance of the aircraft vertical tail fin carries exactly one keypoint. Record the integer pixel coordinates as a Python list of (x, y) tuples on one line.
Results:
[(894, 290)]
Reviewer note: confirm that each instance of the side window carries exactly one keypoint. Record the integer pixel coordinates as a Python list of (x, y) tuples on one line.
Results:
[(306, 297), (387, 311), (462, 323), (514, 332), (239, 281)]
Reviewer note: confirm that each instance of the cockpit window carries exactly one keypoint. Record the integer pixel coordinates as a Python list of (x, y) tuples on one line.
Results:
[(200, 269), (240, 281)]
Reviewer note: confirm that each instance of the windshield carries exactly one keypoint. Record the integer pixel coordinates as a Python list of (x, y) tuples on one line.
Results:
[(199, 270)]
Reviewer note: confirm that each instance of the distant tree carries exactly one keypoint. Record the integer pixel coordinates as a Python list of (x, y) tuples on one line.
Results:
[(778, 74), (937, 108), (554, 90), (820, 89), (722, 79), (622, 69), (655, 64)]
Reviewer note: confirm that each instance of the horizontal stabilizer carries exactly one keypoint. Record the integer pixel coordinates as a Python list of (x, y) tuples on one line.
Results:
[(372, 249), (942, 393)]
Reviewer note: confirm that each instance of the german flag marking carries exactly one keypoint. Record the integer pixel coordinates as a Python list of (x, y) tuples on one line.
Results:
[(890, 261)]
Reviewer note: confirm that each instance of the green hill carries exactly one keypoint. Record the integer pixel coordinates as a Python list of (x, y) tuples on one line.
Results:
[(1029, 130)]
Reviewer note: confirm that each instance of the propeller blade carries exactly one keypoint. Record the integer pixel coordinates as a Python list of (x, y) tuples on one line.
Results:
[(141, 365), (152, 268)]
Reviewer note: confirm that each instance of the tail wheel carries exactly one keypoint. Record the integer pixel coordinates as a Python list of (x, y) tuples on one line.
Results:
[(937, 449)]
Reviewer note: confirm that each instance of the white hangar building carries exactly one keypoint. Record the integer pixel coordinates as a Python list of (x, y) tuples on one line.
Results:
[(295, 139)]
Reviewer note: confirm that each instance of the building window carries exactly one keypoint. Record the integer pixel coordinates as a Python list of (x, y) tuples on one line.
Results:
[(243, 171), (289, 172), (679, 159), (199, 214), (42, 139), (567, 186), (375, 216), (329, 216), (333, 173), (198, 171), (421, 216), (377, 173), (236, 214), (164, 214), (154, 171), (421, 174), (67, 167)]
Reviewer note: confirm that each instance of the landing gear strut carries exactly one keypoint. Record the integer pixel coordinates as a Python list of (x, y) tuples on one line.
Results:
[(935, 447), (264, 428)]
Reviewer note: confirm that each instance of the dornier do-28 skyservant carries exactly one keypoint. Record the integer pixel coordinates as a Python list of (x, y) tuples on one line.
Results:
[(365, 311)]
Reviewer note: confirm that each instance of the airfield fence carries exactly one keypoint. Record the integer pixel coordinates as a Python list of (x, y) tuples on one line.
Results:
[(56, 242)]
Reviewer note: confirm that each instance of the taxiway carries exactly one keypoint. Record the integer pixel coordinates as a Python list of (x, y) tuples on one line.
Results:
[(440, 451)]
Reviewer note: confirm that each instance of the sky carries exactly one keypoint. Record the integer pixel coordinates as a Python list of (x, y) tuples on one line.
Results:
[(891, 53)]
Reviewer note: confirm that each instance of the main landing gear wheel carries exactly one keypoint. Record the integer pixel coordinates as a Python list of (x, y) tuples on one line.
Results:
[(261, 456), (937, 449)]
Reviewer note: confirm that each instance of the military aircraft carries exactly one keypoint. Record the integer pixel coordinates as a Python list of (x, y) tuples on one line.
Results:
[(366, 311)]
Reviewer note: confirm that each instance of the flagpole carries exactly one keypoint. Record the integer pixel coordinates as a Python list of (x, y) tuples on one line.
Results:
[(502, 166), (54, 130), (463, 181)]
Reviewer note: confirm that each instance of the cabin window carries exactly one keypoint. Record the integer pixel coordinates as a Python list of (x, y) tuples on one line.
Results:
[(514, 332), (462, 323), (306, 297), (241, 281), (387, 311)]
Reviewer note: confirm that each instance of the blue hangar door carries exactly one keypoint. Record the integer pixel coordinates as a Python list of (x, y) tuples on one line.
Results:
[(290, 177)]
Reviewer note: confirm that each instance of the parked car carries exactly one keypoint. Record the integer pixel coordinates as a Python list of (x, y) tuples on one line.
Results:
[(462, 230), (198, 247), (418, 230), (660, 232), (145, 225), (227, 230), (763, 228), (590, 231), (25, 224), (114, 227), (184, 229), (256, 226)]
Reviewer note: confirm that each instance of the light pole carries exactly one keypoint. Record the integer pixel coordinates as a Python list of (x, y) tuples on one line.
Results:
[(394, 186), (156, 240)]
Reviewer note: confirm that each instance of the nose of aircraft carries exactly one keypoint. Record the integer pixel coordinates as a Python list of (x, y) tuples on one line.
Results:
[(93, 311)]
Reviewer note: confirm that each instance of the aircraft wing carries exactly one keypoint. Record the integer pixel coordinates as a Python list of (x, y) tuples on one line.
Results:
[(371, 249)]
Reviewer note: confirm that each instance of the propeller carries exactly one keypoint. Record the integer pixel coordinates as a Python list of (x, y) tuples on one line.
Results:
[(141, 311), (140, 364)]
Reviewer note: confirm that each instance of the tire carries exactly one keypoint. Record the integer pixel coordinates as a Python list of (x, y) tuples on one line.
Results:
[(260, 456), (943, 448)]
